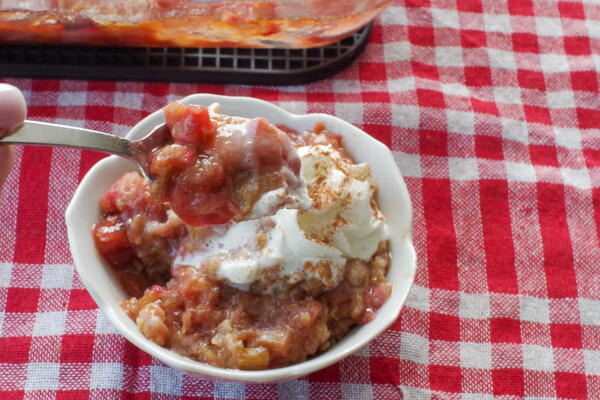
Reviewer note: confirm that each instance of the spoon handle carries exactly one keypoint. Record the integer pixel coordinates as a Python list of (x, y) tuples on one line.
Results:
[(46, 134)]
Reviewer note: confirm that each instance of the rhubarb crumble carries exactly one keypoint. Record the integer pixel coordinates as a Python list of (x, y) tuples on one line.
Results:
[(254, 246)]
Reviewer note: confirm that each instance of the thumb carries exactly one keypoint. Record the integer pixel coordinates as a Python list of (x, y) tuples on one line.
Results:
[(13, 111), (13, 108)]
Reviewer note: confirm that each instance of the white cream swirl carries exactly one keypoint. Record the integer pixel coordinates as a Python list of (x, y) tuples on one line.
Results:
[(327, 219)]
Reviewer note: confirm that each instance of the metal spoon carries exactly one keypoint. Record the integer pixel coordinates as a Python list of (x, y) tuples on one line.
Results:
[(46, 134)]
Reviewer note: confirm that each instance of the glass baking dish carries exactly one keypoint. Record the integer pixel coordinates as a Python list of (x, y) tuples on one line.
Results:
[(185, 23)]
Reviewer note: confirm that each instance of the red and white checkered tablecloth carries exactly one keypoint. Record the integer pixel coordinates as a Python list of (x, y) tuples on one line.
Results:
[(492, 109)]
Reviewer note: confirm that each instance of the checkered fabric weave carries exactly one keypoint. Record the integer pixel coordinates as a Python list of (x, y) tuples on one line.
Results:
[(492, 109)]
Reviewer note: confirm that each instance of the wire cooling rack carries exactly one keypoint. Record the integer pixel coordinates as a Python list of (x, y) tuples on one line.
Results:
[(214, 65)]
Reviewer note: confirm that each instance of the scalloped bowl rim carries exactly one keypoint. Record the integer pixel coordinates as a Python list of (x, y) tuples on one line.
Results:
[(99, 281)]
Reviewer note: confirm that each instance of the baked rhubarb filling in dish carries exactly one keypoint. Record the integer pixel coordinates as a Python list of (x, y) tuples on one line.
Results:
[(254, 246)]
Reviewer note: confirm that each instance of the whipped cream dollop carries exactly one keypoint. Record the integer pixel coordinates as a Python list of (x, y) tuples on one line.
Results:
[(303, 232), (343, 213)]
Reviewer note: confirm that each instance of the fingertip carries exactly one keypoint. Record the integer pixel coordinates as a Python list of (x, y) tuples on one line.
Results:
[(13, 108)]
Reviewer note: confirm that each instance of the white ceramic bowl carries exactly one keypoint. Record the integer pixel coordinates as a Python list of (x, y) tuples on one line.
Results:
[(83, 212)]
